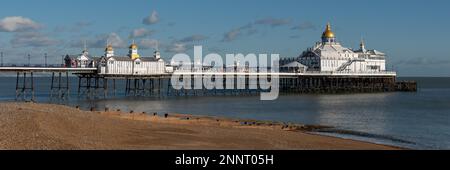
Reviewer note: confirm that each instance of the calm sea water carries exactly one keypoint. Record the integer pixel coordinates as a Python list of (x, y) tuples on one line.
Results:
[(415, 120)]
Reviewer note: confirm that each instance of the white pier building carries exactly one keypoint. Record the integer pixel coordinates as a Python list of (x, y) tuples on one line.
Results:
[(132, 64), (330, 56)]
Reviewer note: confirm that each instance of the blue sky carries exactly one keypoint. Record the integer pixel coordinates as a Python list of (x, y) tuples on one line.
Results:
[(414, 34)]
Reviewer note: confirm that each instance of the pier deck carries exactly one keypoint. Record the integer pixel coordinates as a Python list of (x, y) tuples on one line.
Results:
[(137, 84)]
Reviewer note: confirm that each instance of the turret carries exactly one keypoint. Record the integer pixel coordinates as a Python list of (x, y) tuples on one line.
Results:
[(85, 51), (328, 35), (362, 46), (157, 55), (109, 51), (133, 51)]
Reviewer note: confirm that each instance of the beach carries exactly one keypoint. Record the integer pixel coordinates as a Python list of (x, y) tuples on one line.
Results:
[(56, 127)]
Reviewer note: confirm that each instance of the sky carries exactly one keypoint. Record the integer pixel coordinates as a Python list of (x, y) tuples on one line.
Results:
[(414, 33)]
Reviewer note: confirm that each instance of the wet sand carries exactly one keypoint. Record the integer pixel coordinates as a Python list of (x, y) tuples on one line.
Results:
[(54, 127)]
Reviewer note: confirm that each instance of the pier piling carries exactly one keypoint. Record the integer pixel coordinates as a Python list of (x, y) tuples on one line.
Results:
[(27, 87)]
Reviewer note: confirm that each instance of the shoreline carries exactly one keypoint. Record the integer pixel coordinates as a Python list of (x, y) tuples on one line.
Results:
[(64, 127)]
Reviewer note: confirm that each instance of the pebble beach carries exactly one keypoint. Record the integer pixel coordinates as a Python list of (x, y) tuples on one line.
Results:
[(33, 126)]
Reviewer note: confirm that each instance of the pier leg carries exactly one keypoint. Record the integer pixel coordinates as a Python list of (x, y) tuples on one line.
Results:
[(17, 86), (51, 85), (59, 85), (79, 85), (24, 85), (32, 88), (105, 88), (96, 79), (88, 86), (168, 87), (126, 86), (159, 87), (136, 81), (114, 86), (67, 85)]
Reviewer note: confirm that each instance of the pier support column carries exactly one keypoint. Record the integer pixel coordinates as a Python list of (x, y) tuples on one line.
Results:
[(85, 85), (26, 87), (61, 90), (17, 85)]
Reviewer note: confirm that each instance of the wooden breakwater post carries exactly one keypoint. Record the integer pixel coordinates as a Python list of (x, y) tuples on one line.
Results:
[(407, 86)]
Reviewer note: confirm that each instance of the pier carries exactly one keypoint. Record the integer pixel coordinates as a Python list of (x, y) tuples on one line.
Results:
[(92, 84), (326, 67)]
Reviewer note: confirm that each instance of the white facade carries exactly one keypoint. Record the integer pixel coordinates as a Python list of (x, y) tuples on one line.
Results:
[(83, 59), (117, 65), (330, 56)]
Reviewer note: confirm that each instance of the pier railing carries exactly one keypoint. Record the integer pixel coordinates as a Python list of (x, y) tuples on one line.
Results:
[(46, 69), (251, 71)]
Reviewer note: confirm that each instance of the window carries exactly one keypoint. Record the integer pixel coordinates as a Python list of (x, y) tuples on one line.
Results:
[(373, 67)]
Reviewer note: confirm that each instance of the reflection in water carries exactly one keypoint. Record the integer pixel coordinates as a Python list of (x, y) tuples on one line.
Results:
[(342, 110)]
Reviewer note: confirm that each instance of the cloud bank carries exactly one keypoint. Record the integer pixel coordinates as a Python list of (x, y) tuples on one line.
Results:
[(18, 24), (152, 19)]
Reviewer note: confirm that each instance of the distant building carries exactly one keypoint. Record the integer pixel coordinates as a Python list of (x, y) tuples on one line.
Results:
[(80, 61), (330, 56), (132, 64)]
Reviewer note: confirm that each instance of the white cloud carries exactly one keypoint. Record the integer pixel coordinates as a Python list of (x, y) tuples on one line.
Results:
[(236, 32), (193, 38), (100, 41), (274, 22), (149, 44), (231, 35), (32, 39), (115, 40), (140, 33), (152, 19), (177, 48), (17, 24), (304, 26)]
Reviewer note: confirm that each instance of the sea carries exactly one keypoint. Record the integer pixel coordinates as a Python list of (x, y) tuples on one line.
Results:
[(415, 120)]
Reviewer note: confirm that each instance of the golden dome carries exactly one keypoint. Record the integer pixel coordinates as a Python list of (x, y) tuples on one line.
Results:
[(109, 48), (328, 33), (133, 46)]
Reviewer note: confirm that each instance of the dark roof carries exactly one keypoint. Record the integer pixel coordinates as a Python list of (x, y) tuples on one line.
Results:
[(148, 59), (120, 58)]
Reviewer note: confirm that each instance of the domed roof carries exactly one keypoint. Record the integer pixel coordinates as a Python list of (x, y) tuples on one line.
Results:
[(328, 33), (133, 46), (109, 48)]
